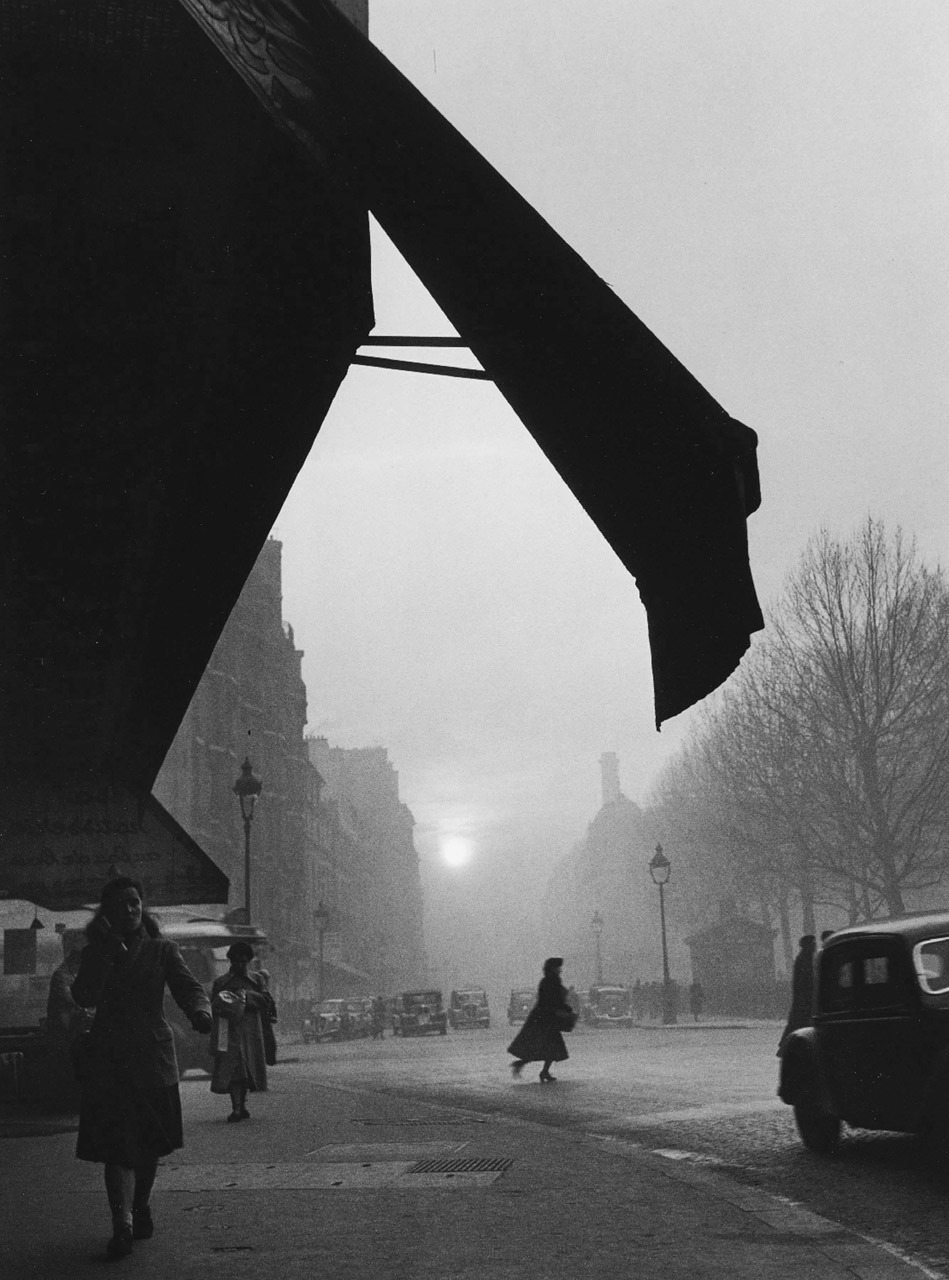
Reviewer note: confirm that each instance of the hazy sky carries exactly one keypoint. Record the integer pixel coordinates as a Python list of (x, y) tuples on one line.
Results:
[(765, 185)]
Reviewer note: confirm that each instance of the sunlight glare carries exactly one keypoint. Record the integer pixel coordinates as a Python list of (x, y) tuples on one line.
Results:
[(456, 851)]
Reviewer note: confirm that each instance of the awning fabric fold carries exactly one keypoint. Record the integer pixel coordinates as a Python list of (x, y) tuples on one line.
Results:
[(664, 472)]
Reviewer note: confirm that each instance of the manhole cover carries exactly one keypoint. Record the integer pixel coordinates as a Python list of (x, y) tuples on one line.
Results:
[(460, 1165)]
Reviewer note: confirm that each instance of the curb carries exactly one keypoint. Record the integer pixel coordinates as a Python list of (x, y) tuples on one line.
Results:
[(866, 1257)]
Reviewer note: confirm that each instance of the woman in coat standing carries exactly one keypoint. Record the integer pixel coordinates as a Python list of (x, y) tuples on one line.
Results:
[(130, 1110), (239, 1004), (540, 1038)]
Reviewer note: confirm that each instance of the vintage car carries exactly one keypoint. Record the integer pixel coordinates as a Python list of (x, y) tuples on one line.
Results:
[(876, 1055), (608, 1006), (358, 1024), (419, 1013), (519, 1005), (325, 1022), (468, 1009)]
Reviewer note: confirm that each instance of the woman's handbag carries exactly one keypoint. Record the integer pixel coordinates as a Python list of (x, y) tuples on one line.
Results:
[(565, 1019)]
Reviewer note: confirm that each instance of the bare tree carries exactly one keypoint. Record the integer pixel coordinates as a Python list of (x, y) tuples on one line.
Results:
[(824, 767), (864, 632)]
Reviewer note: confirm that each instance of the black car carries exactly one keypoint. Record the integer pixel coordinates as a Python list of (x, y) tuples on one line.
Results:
[(469, 1008), (876, 1055), (419, 1013), (520, 1004), (609, 1006)]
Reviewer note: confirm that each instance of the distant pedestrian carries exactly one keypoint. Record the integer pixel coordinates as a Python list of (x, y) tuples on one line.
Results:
[(239, 1004), (267, 1020), (802, 989), (130, 1109), (378, 1022), (696, 1000), (540, 1039)]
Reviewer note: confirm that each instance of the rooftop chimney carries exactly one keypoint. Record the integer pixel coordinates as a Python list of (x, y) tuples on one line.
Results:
[(609, 772)]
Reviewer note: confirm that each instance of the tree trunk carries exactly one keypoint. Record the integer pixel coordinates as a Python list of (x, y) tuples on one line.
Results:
[(787, 945)]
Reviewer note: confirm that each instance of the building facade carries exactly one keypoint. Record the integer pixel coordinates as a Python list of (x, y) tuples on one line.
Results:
[(607, 873), (370, 878), (328, 826)]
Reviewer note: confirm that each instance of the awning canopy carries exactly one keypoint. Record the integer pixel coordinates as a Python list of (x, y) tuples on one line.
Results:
[(661, 468)]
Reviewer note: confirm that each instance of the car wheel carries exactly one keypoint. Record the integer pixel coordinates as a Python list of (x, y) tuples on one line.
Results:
[(820, 1131)]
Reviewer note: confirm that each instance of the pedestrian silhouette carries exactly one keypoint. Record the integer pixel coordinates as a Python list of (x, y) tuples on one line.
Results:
[(540, 1039)]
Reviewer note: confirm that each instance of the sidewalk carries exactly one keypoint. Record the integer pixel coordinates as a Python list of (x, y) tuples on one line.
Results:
[(321, 1183)]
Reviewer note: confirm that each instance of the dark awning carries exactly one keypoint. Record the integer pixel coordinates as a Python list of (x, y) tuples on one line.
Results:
[(664, 472)]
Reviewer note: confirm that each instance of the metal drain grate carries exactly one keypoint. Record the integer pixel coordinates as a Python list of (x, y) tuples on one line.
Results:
[(471, 1165)]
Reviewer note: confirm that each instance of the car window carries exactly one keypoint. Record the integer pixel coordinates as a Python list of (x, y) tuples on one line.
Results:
[(864, 980), (931, 961)]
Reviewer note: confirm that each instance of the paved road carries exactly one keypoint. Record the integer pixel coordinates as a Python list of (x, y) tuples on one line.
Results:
[(702, 1093)]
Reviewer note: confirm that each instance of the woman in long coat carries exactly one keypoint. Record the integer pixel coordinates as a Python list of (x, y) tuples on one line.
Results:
[(540, 1039), (237, 1039), (130, 1110)]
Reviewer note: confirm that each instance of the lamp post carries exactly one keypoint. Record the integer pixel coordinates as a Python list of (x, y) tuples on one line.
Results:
[(597, 926), (320, 918), (660, 869), (247, 788)]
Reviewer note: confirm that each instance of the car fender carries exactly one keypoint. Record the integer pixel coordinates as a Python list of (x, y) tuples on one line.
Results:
[(801, 1078)]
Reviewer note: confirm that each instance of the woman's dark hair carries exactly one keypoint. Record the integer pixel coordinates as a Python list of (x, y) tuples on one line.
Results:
[(119, 885), (555, 962), (240, 951)]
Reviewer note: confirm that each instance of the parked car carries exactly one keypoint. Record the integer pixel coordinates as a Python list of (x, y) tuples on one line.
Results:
[(357, 1017), (324, 1022), (469, 1009), (876, 1055), (520, 1004), (608, 1006), (420, 1013)]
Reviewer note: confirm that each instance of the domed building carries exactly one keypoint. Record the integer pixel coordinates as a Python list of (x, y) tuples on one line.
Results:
[(606, 874)]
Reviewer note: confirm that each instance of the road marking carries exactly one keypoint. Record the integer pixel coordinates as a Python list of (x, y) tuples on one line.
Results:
[(854, 1249), (694, 1157)]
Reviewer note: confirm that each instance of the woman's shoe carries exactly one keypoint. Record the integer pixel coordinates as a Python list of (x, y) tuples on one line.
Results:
[(244, 1114), (234, 1117), (142, 1226), (547, 1078), (120, 1246), (516, 1068)]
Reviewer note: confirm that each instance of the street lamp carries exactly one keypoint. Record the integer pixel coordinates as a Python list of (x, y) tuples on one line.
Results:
[(320, 918), (597, 925), (660, 868), (247, 788)]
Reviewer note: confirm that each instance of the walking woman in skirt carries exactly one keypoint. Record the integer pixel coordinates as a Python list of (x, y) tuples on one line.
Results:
[(540, 1038), (130, 1111), (239, 1004)]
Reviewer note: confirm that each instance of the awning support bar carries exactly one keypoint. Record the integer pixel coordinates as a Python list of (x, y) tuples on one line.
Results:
[(380, 340), (409, 366)]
